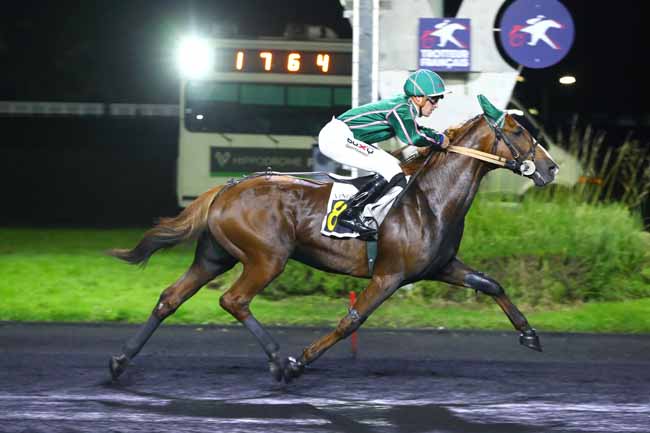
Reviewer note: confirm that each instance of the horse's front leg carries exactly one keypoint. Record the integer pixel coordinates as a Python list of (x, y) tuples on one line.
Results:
[(458, 273), (379, 289)]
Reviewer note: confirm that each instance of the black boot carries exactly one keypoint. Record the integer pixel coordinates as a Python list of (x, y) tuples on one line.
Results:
[(351, 217)]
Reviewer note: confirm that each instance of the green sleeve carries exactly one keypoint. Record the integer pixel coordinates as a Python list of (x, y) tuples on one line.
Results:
[(402, 119)]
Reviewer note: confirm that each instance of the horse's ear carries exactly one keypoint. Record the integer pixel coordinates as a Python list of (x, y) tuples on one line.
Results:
[(491, 112)]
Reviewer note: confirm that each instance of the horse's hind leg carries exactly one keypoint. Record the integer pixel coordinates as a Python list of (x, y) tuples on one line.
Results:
[(460, 274), (210, 260), (258, 272)]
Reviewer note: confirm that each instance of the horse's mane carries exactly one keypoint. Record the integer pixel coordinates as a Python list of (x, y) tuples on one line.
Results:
[(454, 133)]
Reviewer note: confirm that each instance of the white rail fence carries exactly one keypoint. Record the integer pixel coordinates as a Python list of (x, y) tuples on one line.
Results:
[(39, 108)]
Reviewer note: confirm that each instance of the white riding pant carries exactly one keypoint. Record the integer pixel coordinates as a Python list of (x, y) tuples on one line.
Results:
[(337, 142)]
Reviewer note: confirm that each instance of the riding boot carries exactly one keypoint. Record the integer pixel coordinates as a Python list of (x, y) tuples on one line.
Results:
[(351, 217)]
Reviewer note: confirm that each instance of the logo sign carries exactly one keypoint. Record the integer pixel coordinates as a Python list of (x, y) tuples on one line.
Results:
[(229, 161), (536, 33), (444, 44), (360, 146)]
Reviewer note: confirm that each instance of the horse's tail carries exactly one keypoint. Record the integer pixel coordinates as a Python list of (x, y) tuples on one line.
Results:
[(189, 224)]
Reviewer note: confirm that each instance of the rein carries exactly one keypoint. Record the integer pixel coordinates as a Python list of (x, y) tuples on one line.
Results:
[(483, 156), (519, 164), (398, 199)]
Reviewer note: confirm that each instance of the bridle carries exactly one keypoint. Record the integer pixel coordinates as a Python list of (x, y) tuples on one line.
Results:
[(521, 163)]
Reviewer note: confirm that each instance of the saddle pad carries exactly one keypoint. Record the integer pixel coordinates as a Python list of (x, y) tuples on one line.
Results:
[(373, 214)]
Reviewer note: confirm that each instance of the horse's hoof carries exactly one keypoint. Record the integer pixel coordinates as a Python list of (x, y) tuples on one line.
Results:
[(117, 365), (276, 369), (292, 369), (530, 339)]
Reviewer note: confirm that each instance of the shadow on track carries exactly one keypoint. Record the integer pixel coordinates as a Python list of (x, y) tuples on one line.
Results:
[(346, 417), (308, 410)]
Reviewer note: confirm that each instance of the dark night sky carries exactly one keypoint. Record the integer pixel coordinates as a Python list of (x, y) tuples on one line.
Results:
[(121, 51)]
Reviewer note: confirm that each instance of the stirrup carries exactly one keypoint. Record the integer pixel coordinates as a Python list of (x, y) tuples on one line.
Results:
[(368, 194), (355, 223)]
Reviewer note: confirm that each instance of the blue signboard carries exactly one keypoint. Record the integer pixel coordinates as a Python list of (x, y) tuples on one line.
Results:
[(444, 44), (536, 33)]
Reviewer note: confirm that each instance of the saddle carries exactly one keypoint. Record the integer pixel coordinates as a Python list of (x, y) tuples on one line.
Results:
[(342, 189), (357, 182)]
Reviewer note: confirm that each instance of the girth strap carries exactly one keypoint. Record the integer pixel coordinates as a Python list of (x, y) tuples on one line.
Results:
[(371, 251)]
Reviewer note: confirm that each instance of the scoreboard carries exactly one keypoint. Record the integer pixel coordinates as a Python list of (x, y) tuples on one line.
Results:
[(273, 56), (262, 60)]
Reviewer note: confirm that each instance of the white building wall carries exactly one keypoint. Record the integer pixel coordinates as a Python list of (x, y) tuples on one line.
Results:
[(490, 74), (398, 56)]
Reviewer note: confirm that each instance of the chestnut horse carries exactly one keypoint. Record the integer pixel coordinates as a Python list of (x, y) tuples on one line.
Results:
[(264, 220)]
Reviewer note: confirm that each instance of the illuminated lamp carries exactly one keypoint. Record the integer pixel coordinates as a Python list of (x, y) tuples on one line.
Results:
[(194, 57), (567, 80)]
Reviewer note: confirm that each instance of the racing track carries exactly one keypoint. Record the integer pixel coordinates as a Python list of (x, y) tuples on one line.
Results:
[(54, 378)]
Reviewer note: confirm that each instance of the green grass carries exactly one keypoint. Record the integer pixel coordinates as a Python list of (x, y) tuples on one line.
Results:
[(618, 317), (63, 275), (558, 252), (544, 254)]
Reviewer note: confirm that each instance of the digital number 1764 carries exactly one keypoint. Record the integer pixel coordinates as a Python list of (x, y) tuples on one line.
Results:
[(292, 64)]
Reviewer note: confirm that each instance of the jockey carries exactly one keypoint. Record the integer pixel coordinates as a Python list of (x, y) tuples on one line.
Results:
[(350, 139)]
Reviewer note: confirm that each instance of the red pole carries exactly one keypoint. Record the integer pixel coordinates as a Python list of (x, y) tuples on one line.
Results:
[(353, 337)]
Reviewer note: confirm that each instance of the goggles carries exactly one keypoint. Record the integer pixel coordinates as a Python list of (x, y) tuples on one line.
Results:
[(434, 99)]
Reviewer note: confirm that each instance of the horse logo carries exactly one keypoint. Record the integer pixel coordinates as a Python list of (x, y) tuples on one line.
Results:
[(445, 30), (536, 39), (222, 157), (537, 29), (444, 44)]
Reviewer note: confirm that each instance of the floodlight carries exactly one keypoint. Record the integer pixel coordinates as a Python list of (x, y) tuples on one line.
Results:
[(567, 79), (195, 57)]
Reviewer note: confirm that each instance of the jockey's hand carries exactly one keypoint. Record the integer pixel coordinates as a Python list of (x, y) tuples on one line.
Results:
[(445, 142)]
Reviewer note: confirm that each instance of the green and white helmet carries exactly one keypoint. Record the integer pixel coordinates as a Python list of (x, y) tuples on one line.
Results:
[(424, 82)]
